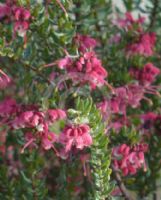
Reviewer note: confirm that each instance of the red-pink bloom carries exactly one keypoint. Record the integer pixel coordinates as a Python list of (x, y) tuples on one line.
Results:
[(21, 27), (21, 14), (5, 80), (129, 95), (29, 119), (85, 42), (141, 147), (149, 73), (88, 68), (129, 160), (104, 109), (48, 139), (144, 46), (149, 116), (21, 17), (64, 62), (76, 136), (92, 67), (146, 75), (135, 93), (129, 22), (5, 12), (56, 114), (102, 106), (118, 102), (8, 107)]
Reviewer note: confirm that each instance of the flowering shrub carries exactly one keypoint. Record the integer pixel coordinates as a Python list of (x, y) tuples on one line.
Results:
[(80, 100)]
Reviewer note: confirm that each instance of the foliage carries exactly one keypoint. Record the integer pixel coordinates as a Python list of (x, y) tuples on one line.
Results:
[(79, 99)]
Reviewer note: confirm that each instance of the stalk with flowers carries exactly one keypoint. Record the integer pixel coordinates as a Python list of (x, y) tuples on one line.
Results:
[(79, 102)]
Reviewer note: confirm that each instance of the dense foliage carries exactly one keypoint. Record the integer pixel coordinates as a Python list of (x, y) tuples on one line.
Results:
[(80, 114)]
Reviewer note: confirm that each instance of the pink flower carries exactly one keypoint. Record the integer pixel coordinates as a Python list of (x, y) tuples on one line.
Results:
[(64, 62), (76, 136), (56, 114), (129, 22), (8, 107), (146, 75), (141, 147), (135, 93), (102, 106), (148, 116), (21, 17), (85, 42), (129, 160), (87, 69), (149, 73), (144, 46), (118, 101), (21, 27), (21, 14), (104, 109), (5, 12), (92, 67), (48, 139), (29, 119)]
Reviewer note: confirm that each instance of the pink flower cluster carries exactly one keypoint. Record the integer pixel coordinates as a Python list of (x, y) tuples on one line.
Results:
[(85, 68), (39, 121), (36, 126), (146, 75), (128, 95), (8, 107), (144, 46), (20, 17), (31, 119), (88, 68), (141, 43), (129, 22), (76, 136), (21, 20), (129, 159)]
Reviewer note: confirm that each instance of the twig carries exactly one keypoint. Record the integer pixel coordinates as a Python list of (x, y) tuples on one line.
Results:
[(121, 185), (36, 70)]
